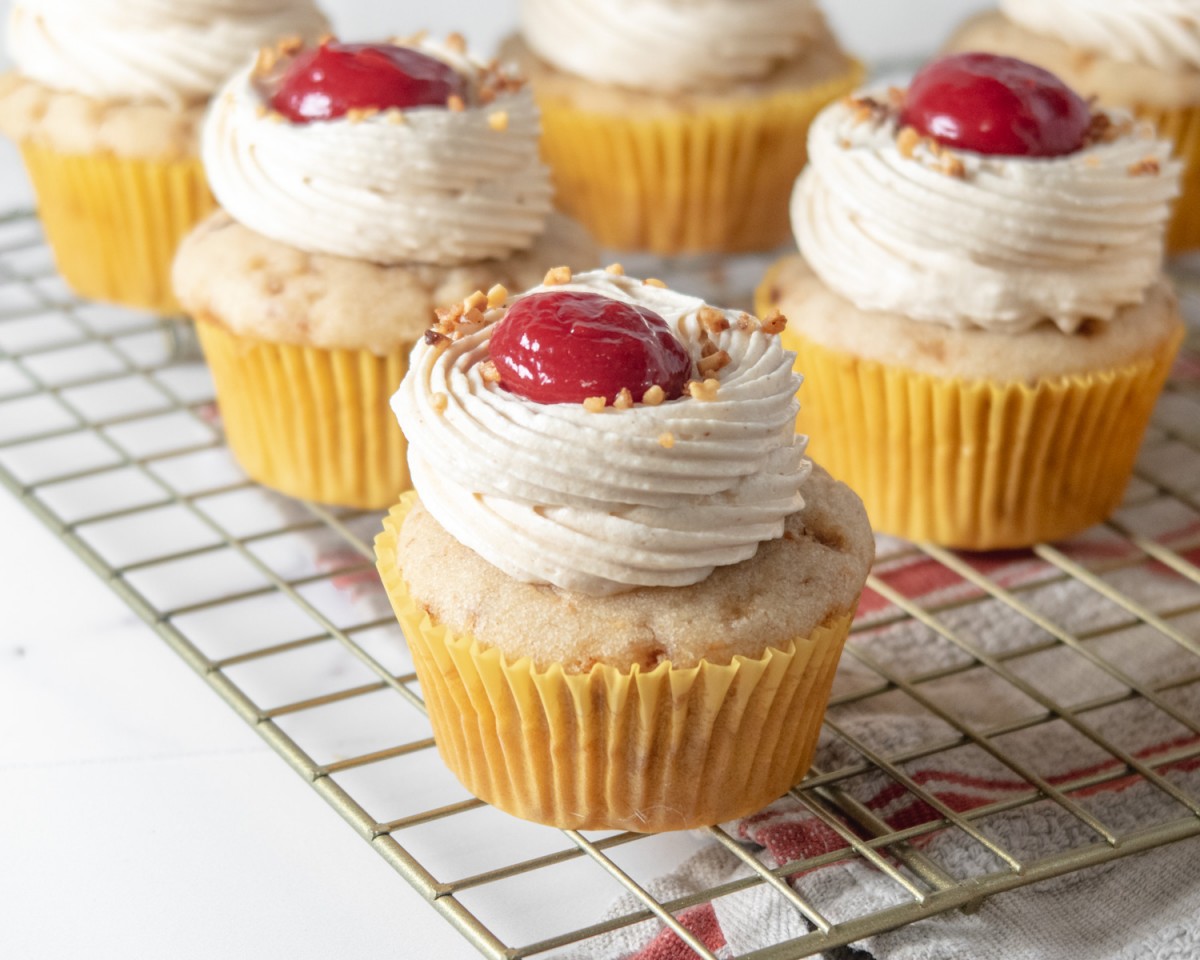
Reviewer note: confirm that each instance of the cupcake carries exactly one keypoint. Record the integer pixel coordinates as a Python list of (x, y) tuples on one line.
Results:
[(105, 105), (679, 127), (363, 186), (1142, 55), (624, 588), (980, 302)]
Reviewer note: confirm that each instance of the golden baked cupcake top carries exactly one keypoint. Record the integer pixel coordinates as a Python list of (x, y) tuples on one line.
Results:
[(899, 211), (601, 433), (406, 152)]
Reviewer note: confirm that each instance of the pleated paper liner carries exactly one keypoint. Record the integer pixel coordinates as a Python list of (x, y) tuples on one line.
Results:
[(645, 751), (114, 222), (714, 179), (1183, 127), (309, 422), (975, 464)]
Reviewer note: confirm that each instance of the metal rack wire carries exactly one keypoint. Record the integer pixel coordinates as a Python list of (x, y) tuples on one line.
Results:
[(109, 435)]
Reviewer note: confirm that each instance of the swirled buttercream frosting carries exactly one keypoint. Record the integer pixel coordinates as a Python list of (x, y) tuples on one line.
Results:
[(669, 45), (420, 185), (1159, 33), (175, 52), (898, 223), (603, 501)]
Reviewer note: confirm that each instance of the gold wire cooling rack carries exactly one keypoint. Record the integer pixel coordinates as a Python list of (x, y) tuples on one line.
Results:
[(109, 435)]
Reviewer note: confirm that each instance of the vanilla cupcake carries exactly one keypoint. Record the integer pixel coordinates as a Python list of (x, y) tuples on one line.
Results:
[(625, 589), (1143, 55), (984, 316), (401, 177), (678, 127), (105, 104)]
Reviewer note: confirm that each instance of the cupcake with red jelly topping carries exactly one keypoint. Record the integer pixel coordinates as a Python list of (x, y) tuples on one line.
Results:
[(363, 187), (679, 127), (1141, 55), (980, 301), (624, 587), (106, 103)]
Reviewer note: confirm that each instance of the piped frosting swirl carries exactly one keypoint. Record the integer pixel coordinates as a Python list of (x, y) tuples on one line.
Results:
[(608, 501), (423, 185), (896, 223)]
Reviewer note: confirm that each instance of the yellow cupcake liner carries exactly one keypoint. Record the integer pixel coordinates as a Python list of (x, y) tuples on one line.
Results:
[(114, 222), (309, 422), (1182, 126), (642, 750), (977, 465), (714, 179)]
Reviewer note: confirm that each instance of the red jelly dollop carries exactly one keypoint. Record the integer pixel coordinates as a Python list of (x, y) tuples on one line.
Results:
[(567, 347), (330, 80), (996, 105)]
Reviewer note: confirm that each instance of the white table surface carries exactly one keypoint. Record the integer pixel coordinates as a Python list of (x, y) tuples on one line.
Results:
[(147, 820)]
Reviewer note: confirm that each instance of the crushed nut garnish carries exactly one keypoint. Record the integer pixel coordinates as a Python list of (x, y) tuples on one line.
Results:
[(325, 39), (455, 103), (359, 114), (290, 45), (711, 365), (264, 61), (476, 301), (866, 108), (556, 276), (666, 440), (705, 392), (746, 322), (775, 323), (895, 98), (615, 269), (654, 396), (472, 322), (595, 404), (434, 339), (712, 319), (951, 166), (1147, 166), (498, 120), (906, 142), (274, 116), (707, 347), (261, 111), (488, 371), (456, 42), (653, 282), (624, 399), (394, 115), (496, 296), (439, 402)]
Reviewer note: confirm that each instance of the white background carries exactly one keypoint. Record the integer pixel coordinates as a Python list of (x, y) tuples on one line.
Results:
[(146, 820)]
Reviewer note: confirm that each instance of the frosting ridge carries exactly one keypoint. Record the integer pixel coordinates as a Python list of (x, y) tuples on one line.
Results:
[(669, 45), (893, 222), (175, 52), (1159, 33), (596, 502), (423, 185)]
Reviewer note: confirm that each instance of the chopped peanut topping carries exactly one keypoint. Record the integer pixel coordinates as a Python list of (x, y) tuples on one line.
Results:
[(775, 323), (953, 167), (557, 276), (290, 45), (653, 282), (435, 339), (624, 399), (359, 114), (455, 103), (705, 392), (488, 371), (907, 141), (496, 296), (1147, 166), (476, 301), (264, 61), (394, 115), (439, 402), (654, 396), (746, 322), (273, 116), (456, 42), (325, 39), (595, 404), (498, 120), (712, 319), (710, 366), (666, 440), (615, 269)]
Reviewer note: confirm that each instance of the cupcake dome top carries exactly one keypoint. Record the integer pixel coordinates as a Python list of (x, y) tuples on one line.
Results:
[(669, 45), (173, 52), (389, 176), (599, 497), (1164, 34), (895, 219)]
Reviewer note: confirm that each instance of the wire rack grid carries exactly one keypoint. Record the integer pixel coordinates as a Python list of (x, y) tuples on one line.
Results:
[(1089, 649)]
